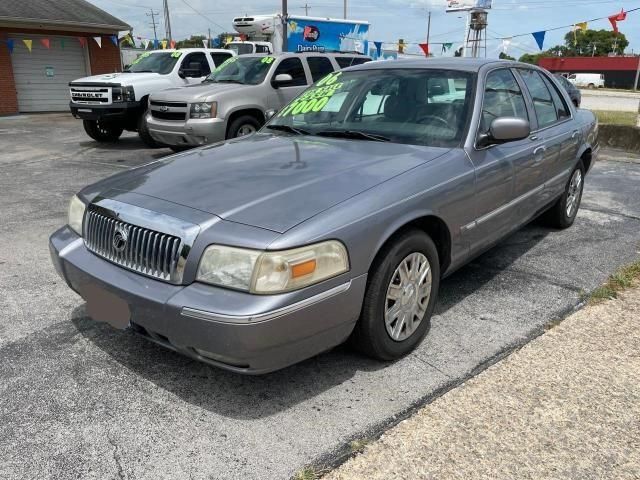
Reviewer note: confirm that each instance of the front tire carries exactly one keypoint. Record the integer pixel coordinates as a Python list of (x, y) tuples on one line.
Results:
[(101, 131), (564, 212), (400, 298), (242, 126), (143, 132)]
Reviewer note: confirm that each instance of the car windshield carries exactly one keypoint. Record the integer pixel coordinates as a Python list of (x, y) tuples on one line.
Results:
[(411, 106), (160, 62), (244, 70)]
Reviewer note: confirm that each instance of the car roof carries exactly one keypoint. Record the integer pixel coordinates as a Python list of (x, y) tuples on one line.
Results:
[(449, 63), (190, 49), (307, 54)]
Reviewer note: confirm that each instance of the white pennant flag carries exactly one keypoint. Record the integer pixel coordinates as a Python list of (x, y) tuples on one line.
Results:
[(505, 45), (144, 44), (98, 41), (204, 43)]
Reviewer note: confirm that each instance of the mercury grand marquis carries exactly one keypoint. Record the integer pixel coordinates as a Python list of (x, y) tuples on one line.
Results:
[(337, 220)]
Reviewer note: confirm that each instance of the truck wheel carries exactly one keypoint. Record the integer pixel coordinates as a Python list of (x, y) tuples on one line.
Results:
[(591, 86), (143, 132), (564, 212), (244, 125), (400, 297), (102, 131)]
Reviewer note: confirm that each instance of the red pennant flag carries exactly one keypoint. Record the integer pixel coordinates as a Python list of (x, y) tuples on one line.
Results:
[(619, 17), (83, 41), (173, 44), (425, 48), (46, 43)]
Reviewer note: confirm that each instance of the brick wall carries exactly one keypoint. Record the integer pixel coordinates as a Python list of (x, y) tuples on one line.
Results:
[(8, 97), (102, 60)]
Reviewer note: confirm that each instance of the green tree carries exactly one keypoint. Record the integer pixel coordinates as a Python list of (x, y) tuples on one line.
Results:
[(581, 44), (504, 56), (194, 41)]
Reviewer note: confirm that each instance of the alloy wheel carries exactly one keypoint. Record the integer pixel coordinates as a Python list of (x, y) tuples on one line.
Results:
[(408, 296), (573, 195)]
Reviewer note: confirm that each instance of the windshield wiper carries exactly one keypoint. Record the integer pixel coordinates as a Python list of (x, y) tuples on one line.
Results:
[(288, 129), (354, 134), (228, 81), (140, 71)]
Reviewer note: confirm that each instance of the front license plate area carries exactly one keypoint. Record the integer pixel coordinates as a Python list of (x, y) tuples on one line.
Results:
[(104, 306), (85, 110)]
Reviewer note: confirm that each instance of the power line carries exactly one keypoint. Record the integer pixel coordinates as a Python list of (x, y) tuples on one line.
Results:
[(153, 22), (204, 16)]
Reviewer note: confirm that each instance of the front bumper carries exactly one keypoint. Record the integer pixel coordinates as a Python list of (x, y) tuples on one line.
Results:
[(114, 111), (267, 336), (192, 133)]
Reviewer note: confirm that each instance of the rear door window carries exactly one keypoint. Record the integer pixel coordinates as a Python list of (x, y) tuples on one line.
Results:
[(293, 67), (197, 57), (562, 109), (320, 67), (542, 100)]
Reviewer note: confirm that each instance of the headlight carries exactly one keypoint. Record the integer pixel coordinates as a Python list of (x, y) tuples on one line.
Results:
[(123, 94), (272, 272), (204, 110), (76, 214)]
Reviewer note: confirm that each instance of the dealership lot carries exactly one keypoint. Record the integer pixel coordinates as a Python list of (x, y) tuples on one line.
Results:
[(80, 400)]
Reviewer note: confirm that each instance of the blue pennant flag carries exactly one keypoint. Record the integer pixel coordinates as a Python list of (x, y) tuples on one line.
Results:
[(156, 44), (114, 39), (10, 44), (378, 48), (539, 36)]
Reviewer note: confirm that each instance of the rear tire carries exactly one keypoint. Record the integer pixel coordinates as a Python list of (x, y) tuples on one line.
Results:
[(591, 86), (143, 132), (242, 126), (101, 131), (396, 313), (564, 212)]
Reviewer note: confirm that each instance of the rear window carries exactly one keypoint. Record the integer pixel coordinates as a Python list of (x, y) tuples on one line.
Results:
[(219, 58)]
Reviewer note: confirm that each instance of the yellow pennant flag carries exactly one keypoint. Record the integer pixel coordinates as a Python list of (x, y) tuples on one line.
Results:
[(581, 26), (164, 44), (28, 43)]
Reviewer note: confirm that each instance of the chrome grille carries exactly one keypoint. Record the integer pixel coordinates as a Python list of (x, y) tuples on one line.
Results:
[(146, 251)]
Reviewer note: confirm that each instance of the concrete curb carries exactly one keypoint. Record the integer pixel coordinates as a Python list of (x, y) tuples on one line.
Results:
[(624, 137)]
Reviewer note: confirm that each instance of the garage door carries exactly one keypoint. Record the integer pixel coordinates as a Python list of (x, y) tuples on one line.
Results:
[(42, 76)]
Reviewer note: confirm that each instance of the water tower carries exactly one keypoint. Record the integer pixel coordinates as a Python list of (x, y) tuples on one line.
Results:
[(477, 33)]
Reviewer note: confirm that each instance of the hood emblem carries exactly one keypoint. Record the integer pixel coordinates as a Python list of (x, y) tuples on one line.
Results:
[(164, 108), (120, 238)]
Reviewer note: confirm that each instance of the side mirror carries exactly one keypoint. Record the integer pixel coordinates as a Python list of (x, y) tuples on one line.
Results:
[(504, 130), (269, 114), (282, 78)]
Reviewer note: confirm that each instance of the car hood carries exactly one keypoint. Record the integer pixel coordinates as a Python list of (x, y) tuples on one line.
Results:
[(121, 78), (197, 92), (271, 181)]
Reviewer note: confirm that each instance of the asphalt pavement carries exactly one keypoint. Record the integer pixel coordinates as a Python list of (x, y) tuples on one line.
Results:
[(80, 400)]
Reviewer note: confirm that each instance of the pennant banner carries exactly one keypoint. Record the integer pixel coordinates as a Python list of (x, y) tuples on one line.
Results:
[(83, 41), (172, 44), (98, 41), (155, 44), (378, 48), (505, 45), (46, 43), (425, 48), (62, 43), (28, 44), (164, 44), (114, 40), (614, 19), (204, 43), (582, 26), (10, 45), (539, 37), (446, 46)]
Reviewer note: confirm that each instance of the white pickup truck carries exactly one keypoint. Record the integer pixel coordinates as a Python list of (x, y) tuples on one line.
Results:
[(109, 104)]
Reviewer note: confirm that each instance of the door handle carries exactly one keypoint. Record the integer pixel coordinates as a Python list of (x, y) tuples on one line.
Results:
[(533, 138), (538, 153), (575, 134)]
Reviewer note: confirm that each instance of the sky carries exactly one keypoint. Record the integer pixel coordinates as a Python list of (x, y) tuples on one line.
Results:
[(392, 19)]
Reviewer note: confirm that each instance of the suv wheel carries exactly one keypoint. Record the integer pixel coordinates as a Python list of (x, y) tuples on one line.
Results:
[(242, 126), (400, 297), (143, 132), (102, 131)]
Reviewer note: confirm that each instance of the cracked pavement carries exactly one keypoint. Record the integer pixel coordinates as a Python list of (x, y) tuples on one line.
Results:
[(81, 400)]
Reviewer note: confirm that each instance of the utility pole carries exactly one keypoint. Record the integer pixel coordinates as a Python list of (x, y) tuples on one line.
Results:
[(635, 83), (345, 9), (209, 42), (167, 21), (285, 14), (306, 9), (153, 22), (428, 27)]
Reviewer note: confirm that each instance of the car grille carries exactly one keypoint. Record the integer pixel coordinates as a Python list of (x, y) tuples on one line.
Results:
[(157, 103), (168, 115), (91, 95), (146, 251)]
